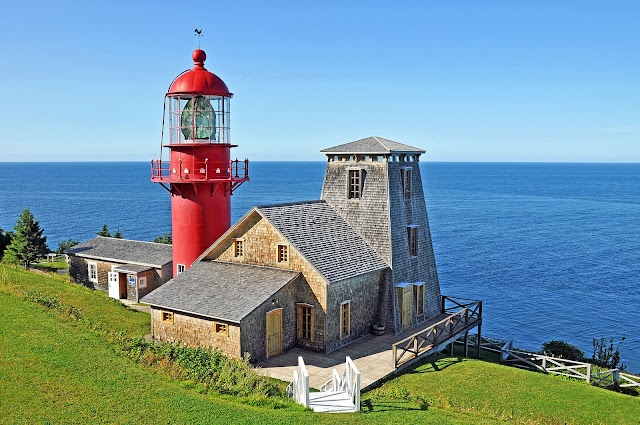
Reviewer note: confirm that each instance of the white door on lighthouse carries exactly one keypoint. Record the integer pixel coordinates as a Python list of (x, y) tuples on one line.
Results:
[(114, 285)]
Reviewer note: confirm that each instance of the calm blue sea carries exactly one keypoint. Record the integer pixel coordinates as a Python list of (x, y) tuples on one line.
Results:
[(552, 249)]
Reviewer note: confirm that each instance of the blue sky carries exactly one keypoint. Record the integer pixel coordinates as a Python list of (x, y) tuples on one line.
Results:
[(466, 80)]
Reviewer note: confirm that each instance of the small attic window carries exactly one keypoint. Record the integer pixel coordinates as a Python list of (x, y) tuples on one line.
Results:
[(238, 248), (167, 316), (221, 328), (412, 233), (283, 253)]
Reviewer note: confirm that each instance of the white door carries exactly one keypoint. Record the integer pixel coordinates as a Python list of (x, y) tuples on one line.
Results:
[(114, 285)]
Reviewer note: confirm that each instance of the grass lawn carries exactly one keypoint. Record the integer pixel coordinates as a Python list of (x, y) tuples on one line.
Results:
[(57, 370), (51, 266)]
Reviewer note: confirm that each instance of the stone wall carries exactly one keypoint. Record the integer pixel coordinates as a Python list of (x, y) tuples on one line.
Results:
[(260, 248), (363, 293), (195, 331), (254, 327)]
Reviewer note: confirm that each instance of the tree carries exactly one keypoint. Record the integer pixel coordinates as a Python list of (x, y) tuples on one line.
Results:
[(104, 232), (607, 355), (27, 243), (5, 240), (563, 349), (66, 244), (117, 234), (166, 238)]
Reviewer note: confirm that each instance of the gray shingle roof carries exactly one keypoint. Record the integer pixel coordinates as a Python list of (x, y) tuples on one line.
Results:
[(224, 291), (317, 231), (131, 268), (123, 251), (372, 145)]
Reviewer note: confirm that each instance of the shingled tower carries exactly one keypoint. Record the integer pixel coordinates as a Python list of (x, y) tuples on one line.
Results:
[(375, 185)]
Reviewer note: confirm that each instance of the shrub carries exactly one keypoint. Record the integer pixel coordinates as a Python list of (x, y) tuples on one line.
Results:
[(563, 349), (607, 355), (66, 244)]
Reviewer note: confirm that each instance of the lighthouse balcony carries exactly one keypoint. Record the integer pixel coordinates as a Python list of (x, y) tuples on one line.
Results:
[(234, 171)]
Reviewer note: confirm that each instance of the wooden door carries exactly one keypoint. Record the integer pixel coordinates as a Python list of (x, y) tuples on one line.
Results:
[(407, 297), (274, 332)]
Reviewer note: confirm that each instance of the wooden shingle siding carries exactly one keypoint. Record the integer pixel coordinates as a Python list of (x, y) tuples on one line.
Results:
[(195, 332), (260, 248)]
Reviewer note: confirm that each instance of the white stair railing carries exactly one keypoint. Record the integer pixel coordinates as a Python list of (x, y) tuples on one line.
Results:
[(351, 382), (300, 384)]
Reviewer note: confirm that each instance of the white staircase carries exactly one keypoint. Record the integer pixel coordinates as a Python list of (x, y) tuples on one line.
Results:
[(341, 394)]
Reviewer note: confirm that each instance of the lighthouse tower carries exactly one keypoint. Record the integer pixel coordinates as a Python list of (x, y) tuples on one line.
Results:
[(199, 174)]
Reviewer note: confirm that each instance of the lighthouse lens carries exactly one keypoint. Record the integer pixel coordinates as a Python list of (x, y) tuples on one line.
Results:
[(198, 119)]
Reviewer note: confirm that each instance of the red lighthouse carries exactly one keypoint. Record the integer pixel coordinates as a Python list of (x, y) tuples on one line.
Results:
[(199, 174)]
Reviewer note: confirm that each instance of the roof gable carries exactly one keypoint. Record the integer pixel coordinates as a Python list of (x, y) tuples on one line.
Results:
[(372, 145), (123, 251), (225, 291), (323, 238)]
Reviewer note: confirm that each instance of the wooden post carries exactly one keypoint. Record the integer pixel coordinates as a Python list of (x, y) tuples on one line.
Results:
[(466, 344), (478, 340), (415, 347), (394, 352), (442, 308), (451, 349), (589, 373), (616, 376)]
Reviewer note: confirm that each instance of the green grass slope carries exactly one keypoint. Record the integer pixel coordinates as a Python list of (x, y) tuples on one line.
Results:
[(54, 369)]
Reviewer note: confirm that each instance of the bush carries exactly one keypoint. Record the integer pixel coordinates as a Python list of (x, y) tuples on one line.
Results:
[(607, 355), (563, 349)]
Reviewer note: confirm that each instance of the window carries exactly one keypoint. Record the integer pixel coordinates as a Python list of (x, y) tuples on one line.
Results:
[(181, 268), (412, 232), (283, 253), (167, 316), (93, 272), (406, 181), (239, 248), (142, 282), (345, 319), (419, 298), (305, 322), (221, 328), (354, 184)]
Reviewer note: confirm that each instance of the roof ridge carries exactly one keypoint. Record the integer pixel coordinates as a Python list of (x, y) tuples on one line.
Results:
[(130, 240), (286, 204)]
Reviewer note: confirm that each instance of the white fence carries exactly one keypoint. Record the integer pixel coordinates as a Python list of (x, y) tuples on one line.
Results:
[(300, 384), (349, 382)]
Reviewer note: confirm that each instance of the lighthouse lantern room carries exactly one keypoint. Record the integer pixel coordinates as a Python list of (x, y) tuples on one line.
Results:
[(199, 174)]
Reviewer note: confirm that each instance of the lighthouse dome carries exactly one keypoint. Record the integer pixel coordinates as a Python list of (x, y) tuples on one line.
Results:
[(199, 81)]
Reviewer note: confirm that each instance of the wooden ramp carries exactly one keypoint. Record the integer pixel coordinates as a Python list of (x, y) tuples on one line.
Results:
[(375, 355)]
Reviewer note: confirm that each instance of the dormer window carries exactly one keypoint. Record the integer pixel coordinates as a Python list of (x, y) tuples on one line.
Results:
[(354, 184)]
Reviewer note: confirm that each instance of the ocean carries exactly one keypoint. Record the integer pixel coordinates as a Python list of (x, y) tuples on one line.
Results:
[(553, 250)]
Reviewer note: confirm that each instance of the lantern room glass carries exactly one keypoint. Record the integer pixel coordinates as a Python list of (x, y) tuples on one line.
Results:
[(199, 119)]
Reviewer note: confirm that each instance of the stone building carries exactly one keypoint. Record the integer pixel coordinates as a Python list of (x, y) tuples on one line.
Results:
[(317, 274), (124, 268)]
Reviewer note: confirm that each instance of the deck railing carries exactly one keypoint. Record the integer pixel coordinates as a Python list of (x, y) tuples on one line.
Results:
[(463, 314), (298, 389), (234, 170)]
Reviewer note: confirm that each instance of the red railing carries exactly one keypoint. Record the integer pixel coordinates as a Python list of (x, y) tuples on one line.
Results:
[(232, 171)]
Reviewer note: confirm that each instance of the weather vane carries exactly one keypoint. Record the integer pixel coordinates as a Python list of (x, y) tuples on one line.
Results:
[(198, 33)]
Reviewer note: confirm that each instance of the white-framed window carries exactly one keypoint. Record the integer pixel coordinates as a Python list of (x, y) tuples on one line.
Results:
[(405, 175), (238, 248), (181, 268), (345, 319), (412, 236), (142, 282), (354, 184), (92, 271)]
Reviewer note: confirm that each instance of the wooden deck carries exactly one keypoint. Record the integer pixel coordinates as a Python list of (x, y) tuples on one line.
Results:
[(373, 355)]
